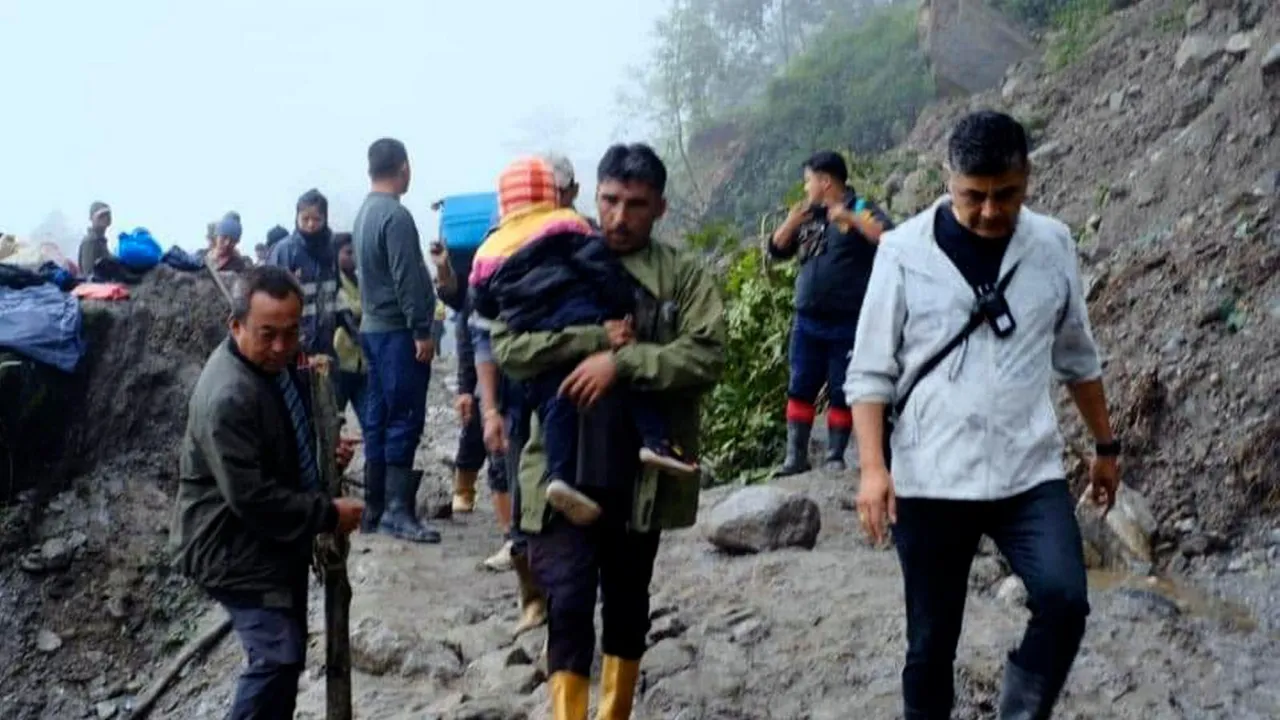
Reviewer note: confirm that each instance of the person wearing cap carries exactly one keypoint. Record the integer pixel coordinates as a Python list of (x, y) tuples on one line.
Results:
[(226, 236), (94, 246)]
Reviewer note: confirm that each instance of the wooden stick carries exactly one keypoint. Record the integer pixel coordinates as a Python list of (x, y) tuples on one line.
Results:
[(197, 647), (331, 550)]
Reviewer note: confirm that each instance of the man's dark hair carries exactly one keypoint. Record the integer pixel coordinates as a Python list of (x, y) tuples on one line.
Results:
[(386, 157), (276, 282), (987, 143), (341, 240), (828, 163), (314, 198), (636, 162)]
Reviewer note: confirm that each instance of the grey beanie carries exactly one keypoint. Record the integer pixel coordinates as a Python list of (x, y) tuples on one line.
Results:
[(229, 226)]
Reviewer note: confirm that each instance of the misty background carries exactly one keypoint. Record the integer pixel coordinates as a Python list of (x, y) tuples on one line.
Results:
[(174, 113)]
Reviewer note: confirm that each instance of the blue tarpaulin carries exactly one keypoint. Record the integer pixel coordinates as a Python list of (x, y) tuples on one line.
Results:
[(42, 323)]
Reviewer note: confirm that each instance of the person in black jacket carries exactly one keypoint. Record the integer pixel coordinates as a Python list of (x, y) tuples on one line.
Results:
[(250, 501), (834, 234)]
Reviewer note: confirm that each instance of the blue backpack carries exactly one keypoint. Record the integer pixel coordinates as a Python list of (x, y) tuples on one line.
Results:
[(138, 250)]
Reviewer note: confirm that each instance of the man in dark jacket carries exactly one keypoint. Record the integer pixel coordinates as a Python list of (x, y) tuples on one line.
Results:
[(834, 234), (249, 500)]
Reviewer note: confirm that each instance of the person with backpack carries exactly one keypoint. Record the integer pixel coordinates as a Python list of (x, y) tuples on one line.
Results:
[(833, 234), (973, 309)]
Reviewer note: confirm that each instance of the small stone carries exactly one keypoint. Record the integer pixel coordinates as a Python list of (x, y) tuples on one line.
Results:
[(1240, 563), (1115, 101), (749, 632), (1196, 15), (106, 710), (1012, 592), (1122, 536), (1273, 537), (1185, 525), (985, 572), (666, 659), (56, 554), (764, 517), (1048, 152), (1239, 44), (1271, 62), (47, 641), (1197, 52), (665, 628)]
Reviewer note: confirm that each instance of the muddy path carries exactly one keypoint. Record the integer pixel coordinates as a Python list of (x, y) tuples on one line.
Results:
[(786, 635)]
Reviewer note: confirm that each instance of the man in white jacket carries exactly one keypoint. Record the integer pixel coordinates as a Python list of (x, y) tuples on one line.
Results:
[(973, 309)]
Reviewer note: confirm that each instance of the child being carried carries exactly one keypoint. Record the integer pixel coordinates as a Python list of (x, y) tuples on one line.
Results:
[(545, 269)]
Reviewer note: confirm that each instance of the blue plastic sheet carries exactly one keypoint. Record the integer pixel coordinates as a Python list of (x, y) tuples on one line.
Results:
[(42, 323)]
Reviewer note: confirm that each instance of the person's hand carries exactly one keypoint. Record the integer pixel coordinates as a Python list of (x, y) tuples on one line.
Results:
[(1104, 481), (495, 432), (621, 332), (465, 404), (344, 452), (424, 350), (590, 380), (350, 511), (877, 505)]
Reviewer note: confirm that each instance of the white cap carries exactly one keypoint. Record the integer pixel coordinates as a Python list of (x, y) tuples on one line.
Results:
[(563, 170)]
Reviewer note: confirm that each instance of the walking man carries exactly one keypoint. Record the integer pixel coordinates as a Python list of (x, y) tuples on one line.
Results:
[(398, 306), (833, 233), (973, 308), (250, 501), (674, 351)]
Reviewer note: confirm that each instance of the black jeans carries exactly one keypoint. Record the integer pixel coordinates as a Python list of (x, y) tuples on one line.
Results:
[(274, 638), (936, 541), (572, 564)]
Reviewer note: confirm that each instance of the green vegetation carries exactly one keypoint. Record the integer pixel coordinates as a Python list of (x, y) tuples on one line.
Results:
[(1079, 24)]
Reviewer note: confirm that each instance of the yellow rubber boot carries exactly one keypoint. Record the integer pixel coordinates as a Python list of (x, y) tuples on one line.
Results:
[(464, 491), (618, 680), (570, 695)]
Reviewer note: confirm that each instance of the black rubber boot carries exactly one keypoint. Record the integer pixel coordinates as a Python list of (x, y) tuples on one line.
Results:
[(375, 497), (837, 443), (797, 460), (400, 520), (1024, 696)]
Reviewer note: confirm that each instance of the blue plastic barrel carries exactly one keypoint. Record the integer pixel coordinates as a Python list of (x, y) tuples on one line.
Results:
[(464, 219)]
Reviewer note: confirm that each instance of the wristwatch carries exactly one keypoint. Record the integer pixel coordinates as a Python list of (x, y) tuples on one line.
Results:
[(1108, 449)]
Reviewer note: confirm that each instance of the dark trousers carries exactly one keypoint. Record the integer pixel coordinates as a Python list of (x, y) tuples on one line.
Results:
[(819, 353), (572, 564), (351, 388), (472, 454), (558, 418), (275, 646), (936, 541), (396, 400)]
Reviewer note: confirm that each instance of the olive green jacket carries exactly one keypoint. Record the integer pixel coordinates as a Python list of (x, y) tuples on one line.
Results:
[(684, 362)]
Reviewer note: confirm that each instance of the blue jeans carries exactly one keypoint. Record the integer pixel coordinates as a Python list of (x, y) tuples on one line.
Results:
[(396, 401), (275, 646), (936, 541), (819, 353)]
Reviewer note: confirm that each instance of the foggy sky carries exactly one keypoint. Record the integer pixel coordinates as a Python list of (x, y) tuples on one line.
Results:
[(174, 112)]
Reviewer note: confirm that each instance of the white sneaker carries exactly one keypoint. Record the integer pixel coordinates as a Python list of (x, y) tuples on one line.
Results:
[(580, 509), (501, 560)]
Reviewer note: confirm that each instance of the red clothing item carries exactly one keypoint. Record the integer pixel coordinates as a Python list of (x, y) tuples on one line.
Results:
[(101, 291)]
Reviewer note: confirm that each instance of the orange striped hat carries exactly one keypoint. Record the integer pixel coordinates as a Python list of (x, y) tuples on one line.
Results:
[(526, 183)]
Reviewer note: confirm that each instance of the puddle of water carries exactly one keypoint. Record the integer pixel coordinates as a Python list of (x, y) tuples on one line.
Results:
[(1189, 600)]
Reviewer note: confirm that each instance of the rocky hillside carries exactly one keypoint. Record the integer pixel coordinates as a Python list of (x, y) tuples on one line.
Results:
[(1160, 147)]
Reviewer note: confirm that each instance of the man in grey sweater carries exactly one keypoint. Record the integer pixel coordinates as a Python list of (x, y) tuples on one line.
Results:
[(398, 303), (974, 307)]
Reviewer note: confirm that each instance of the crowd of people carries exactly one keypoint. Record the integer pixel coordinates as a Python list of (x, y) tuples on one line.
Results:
[(584, 348)]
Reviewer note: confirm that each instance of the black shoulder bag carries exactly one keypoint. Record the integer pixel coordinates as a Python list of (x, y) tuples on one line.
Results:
[(990, 307)]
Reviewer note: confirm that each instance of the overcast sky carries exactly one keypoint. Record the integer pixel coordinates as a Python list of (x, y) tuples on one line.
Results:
[(174, 112)]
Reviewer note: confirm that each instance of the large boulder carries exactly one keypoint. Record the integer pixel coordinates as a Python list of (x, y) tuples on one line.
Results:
[(762, 518), (969, 45)]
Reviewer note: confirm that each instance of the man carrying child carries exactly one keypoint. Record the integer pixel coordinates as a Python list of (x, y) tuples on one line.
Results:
[(665, 356)]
